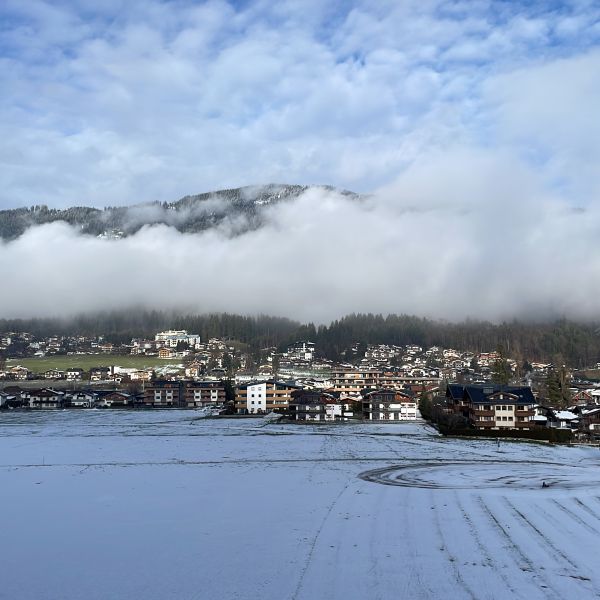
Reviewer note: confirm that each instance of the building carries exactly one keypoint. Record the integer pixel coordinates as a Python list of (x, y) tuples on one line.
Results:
[(43, 398), (114, 399), (80, 399), (184, 394), (317, 405), (197, 394), (74, 374), (173, 337), (263, 397), (387, 404), (164, 393), (54, 374), (493, 406), (353, 381), (99, 374)]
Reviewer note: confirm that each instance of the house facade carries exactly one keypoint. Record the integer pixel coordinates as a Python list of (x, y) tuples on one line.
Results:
[(263, 397), (316, 405), (386, 404), (493, 406)]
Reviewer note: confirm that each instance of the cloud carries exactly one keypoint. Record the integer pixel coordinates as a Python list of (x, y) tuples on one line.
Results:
[(126, 102), (325, 255)]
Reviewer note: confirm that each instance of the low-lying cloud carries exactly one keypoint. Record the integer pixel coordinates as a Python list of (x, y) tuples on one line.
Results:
[(484, 240)]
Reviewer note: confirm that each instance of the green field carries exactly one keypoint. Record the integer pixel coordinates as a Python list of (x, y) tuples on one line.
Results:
[(87, 361)]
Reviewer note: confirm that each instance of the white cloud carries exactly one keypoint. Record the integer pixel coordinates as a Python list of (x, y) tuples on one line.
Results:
[(124, 102)]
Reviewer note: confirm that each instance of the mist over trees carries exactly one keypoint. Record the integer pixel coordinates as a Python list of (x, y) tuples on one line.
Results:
[(561, 341)]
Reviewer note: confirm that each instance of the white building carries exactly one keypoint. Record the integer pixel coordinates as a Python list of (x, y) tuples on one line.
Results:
[(172, 337)]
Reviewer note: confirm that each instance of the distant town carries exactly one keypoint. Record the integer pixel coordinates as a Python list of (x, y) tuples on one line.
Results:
[(457, 391)]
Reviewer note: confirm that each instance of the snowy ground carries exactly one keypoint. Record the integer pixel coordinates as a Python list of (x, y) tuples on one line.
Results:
[(157, 505)]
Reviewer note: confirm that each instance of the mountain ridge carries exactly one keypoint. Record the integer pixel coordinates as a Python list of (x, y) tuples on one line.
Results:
[(190, 214)]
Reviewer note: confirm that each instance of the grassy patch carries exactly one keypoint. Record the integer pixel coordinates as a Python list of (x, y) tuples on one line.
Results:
[(87, 361)]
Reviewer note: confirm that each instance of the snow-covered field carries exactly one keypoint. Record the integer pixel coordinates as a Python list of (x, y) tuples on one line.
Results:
[(157, 505)]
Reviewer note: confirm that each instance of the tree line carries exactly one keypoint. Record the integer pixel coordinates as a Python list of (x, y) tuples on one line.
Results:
[(576, 344)]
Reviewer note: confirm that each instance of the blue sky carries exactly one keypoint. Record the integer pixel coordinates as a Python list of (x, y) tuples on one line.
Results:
[(122, 101)]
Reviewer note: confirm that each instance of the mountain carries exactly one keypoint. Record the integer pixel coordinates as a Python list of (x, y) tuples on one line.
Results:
[(242, 207)]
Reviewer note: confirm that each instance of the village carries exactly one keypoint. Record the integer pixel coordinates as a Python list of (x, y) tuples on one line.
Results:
[(464, 391)]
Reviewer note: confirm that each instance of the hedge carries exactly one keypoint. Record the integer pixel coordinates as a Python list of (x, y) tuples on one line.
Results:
[(548, 434)]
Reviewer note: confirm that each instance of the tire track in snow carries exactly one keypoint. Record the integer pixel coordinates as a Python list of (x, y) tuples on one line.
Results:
[(548, 546), (451, 558), (490, 562), (315, 541), (575, 517), (587, 509), (374, 570), (517, 552), (408, 526)]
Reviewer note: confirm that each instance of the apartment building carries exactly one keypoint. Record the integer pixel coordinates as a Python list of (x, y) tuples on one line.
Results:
[(389, 405), (263, 397)]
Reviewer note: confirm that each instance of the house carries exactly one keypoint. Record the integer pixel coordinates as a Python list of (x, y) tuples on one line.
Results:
[(43, 398), (589, 422), (99, 374), (494, 406), (562, 419), (194, 369), (19, 373), (166, 353), (263, 397), (74, 374), (114, 399), (80, 399), (387, 404), (582, 398), (54, 374), (317, 405), (6, 400)]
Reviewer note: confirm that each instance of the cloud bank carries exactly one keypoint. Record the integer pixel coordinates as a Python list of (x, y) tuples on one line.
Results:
[(325, 255)]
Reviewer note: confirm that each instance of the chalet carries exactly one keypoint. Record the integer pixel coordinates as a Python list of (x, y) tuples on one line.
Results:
[(114, 399), (19, 373), (166, 353), (263, 397), (317, 405), (590, 421), (80, 399), (99, 374), (74, 374), (387, 404), (562, 419), (493, 406), (6, 400), (54, 374), (194, 369), (43, 398)]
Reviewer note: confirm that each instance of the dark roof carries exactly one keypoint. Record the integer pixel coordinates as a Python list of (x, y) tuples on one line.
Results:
[(455, 391), (479, 394), (269, 381)]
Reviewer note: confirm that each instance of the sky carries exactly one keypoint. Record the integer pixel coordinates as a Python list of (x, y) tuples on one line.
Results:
[(473, 127)]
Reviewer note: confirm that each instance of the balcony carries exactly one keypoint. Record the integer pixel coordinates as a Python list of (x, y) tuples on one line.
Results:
[(484, 423), (482, 413), (524, 413)]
